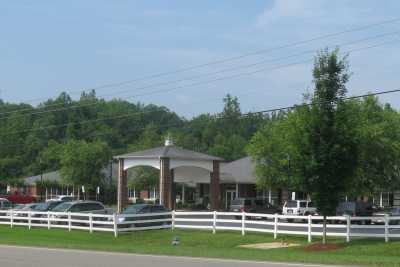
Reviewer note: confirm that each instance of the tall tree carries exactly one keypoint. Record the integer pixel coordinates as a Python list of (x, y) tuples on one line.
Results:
[(83, 163), (317, 148)]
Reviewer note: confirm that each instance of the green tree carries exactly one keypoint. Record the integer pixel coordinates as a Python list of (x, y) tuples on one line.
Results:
[(82, 163), (318, 149)]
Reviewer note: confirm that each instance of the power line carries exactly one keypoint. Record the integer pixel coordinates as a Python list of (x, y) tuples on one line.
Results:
[(234, 58), (168, 125), (138, 113), (203, 75)]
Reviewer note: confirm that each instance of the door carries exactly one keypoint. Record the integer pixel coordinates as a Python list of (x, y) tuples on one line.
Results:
[(229, 196)]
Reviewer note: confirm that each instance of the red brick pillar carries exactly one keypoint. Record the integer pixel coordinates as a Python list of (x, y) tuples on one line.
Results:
[(166, 180), (215, 187), (122, 186)]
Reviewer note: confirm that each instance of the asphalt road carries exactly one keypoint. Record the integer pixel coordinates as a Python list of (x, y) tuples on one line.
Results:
[(41, 257)]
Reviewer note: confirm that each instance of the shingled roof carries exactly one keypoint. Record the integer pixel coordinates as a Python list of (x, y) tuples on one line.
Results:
[(170, 151)]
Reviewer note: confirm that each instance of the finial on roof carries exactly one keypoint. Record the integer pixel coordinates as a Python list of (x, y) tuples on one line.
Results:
[(168, 141)]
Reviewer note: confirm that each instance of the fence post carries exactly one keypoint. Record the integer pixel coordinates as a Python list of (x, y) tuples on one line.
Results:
[(309, 229), (12, 218), (243, 222), (173, 220), (48, 220), (214, 221), (348, 226), (115, 219), (91, 223), (386, 228), (69, 221), (29, 220), (276, 226)]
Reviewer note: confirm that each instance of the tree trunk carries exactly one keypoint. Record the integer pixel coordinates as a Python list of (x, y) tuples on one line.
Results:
[(324, 231)]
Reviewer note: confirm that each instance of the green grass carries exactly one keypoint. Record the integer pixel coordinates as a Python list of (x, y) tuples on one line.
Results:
[(360, 252)]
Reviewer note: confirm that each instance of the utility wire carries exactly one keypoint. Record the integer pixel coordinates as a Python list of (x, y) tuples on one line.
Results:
[(234, 58), (171, 125), (138, 113), (199, 76)]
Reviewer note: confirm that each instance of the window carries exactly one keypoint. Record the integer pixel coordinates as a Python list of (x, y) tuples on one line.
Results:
[(303, 204), (291, 204), (158, 209), (145, 209), (94, 206), (259, 202), (247, 202)]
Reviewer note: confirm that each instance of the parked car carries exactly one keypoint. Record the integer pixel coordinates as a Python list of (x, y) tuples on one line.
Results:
[(79, 206), (143, 209), (19, 199), (5, 204), (47, 206), (393, 212), (253, 205), (64, 198), (299, 207), (355, 209)]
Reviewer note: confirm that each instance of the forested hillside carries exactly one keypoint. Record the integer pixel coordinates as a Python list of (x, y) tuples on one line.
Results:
[(35, 139)]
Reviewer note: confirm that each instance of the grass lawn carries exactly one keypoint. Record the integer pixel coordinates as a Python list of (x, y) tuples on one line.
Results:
[(360, 252)]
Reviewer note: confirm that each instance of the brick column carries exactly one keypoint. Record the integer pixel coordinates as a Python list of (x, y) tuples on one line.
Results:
[(166, 180), (122, 187), (215, 187)]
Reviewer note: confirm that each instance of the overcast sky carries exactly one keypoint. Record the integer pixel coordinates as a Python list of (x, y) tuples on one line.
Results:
[(50, 46)]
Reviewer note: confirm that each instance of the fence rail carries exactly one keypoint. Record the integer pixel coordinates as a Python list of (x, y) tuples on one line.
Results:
[(311, 226)]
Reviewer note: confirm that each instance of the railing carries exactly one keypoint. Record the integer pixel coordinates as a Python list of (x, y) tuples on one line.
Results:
[(310, 226), (86, 221)]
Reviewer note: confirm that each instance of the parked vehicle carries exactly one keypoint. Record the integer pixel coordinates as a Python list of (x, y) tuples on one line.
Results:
[(19, 199), (64, 198), (299, 207), (5, 204), (355, 209), (143, 209), (81, 206), (253, 205), (393, 212)]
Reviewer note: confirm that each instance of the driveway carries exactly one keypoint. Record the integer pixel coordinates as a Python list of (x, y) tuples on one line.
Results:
[(11, 256)]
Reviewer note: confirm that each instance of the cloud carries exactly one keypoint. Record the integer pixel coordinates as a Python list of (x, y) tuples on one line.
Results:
[(290, 9)]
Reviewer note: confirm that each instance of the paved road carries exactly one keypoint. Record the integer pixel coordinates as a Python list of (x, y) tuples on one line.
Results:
[(40, 257)]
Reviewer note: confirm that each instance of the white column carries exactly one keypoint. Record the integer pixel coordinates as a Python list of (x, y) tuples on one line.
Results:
[(381, 200), (237, 190), (269, 196), (183, 193)]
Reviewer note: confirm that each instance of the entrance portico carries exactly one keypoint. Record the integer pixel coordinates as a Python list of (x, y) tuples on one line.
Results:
[(172, 161)]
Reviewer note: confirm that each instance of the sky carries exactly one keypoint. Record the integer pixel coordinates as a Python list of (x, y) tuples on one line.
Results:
[(47, 47)]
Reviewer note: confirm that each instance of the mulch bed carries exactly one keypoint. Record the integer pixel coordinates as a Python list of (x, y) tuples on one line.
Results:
[(322, 247)]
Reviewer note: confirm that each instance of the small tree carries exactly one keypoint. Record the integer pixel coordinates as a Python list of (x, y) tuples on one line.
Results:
[(315, 147)]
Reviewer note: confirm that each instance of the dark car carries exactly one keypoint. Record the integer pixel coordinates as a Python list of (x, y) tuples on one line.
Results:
[(125, 220), (253, 205), (355, 209)]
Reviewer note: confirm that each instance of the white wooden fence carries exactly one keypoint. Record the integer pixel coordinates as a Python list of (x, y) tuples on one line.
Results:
[(310, 226)]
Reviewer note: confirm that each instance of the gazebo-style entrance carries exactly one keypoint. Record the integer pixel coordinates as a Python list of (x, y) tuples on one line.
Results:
[(171, 161)]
